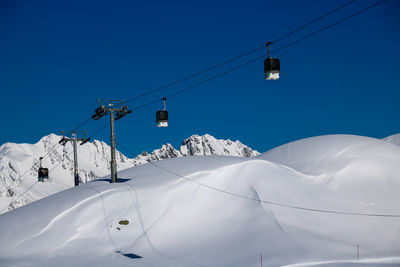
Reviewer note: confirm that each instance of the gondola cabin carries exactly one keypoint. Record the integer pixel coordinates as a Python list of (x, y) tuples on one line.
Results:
[(272, 68), (162, 118), (162, 115), (43, 173)]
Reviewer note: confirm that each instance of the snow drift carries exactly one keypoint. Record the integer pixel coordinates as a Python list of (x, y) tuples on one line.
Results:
[(310, 202)]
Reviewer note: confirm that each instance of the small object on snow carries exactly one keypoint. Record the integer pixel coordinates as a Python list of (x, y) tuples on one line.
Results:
[(162, 116), (272, 66), (119, 229), (130, 255), (124, 222)]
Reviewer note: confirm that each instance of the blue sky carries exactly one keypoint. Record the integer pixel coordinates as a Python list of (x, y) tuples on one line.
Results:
[(58, 57)]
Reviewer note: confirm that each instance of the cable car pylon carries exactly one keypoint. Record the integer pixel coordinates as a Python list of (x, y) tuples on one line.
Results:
[(272, 66), (74, 141), (111, 107)]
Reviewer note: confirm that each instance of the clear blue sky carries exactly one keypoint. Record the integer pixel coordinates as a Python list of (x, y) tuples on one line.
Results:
[(58, 57)]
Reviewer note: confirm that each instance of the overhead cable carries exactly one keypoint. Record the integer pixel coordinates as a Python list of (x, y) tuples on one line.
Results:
[(330, 25), (239, 56), (263, 56), (312, 22), (201, 82)]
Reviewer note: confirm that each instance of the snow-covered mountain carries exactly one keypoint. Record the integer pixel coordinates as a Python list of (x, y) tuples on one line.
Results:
[(197, 145), (19, 163), (322, 201)]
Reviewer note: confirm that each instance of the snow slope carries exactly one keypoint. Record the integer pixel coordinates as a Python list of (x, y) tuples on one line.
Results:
[(19, 163), (224, 211)]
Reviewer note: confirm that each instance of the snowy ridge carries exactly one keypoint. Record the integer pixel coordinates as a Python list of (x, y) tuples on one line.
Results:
[(208, 145), (225, 213), (394, 139), (197, 145), (93, 162)]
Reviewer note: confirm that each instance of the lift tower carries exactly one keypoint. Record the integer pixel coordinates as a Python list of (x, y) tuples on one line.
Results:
[(111, 107), (74, 141)]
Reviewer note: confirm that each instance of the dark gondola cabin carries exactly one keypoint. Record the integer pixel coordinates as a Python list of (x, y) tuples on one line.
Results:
[(162, 118), (272, 68), (43, 173), (162, 115)]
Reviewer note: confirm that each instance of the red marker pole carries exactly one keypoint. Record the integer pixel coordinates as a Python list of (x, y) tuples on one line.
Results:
[(261, 259)]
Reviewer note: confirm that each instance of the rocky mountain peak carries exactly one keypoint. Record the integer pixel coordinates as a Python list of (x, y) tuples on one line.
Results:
[(208, 145)]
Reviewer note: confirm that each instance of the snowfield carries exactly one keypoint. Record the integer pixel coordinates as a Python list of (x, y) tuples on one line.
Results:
[(307, 203)]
